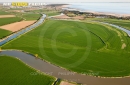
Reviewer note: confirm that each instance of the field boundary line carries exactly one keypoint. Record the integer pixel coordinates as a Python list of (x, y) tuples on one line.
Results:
[(44, 74), (41, 21)]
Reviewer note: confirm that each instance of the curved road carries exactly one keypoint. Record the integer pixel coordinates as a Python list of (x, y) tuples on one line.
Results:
[(64, 74)]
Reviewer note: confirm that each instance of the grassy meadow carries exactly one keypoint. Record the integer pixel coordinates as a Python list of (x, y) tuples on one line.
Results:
[(16, 72), (5, 21), (4, 33), (51, 13), (3, 12), (31, 16), (119, 22), (47, 12), (84, 47)]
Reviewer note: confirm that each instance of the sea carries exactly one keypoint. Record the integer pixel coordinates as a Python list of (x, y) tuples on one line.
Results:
[(116, 8)]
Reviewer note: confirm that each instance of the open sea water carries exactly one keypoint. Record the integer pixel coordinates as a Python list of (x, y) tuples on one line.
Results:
[(117, 8)]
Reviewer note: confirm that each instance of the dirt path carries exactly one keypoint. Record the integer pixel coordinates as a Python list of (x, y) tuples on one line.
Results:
[(66, 83), (6, 16), (123, 46), (17, 25), (61, 17)]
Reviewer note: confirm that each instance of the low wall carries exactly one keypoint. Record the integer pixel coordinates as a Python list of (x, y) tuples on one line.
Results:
[(15, 35)]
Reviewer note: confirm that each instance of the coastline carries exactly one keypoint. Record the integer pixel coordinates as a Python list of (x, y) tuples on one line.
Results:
[(67, 7)]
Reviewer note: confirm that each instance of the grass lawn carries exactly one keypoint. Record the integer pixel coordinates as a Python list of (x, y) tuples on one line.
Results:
[(5, 21), (4, 33), (16, 72), (123, 23), (84, 47)]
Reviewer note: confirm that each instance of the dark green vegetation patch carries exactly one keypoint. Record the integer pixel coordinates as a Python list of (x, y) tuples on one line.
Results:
[(14, 72), (5, 21), (4, 33)]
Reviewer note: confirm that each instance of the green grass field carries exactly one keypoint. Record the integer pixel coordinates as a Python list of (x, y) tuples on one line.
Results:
[(4, 21), (47, 12), (4, 13), (13, 71), (51, 13), (123, 23), (28, 16), (83, 47), (4, 33)]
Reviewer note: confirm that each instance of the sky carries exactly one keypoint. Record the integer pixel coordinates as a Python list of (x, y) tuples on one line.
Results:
[(64, 0)]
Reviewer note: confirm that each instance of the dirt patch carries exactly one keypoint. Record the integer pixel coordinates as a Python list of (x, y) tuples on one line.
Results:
[(66, 83), (16, 10), (123, 46), (62, 17), (17, 25), (79, 17), (6, 16)]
